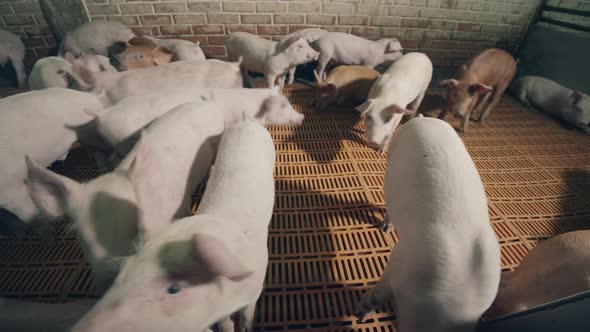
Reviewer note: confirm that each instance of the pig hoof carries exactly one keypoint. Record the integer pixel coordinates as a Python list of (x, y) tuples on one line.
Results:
[(362, 312), (385, 226)]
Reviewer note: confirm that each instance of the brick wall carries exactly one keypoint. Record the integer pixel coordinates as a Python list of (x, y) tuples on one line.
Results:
[(448, 30), (24, 18)]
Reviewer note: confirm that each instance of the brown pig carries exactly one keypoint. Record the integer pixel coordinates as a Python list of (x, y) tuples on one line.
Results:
[(346, 86), (479, 85), (138, 52)]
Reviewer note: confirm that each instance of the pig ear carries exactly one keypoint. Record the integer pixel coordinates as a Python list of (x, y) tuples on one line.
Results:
[(198, 43), (143, 41), (162, 55), (480, 88), (49, 191), (451, 83), (393, 109), (364, 107), (217, 258), (69, 57), (575, 97)]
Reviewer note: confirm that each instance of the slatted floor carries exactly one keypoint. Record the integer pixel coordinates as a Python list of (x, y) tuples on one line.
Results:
[(323, 246)]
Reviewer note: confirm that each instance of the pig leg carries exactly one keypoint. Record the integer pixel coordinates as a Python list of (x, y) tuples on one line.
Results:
[(247, 317), (247, 79), (226, 324), (374, 298), (322, 63), (496, 96), (385, 225), (19, 68), (292, 75), (270, 80), (414, 105), (442, 114), (465, 122), (483, 100)]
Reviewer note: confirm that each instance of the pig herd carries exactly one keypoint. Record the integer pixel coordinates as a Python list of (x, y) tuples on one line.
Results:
[(158, 117)]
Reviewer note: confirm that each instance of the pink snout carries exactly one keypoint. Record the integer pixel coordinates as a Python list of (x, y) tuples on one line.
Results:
[(373, 144)]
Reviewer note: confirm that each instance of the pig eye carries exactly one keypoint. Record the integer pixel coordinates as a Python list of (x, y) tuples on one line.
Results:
[(174, 288), (139, 57), (300, 46)]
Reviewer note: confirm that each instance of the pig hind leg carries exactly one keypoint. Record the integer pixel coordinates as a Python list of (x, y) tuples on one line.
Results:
[(495, 98), (226, 324), (19, 68), (321, 68), (374, 298), (414, 105), (247, 317)]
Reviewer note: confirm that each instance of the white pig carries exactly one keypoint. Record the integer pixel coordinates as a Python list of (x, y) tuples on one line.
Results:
[(344, 48), (194, 74), (309, 35), (554, 269), (121, 123), (404, 82), (444, 272), (50, 72), (95, 38), (55, 72), (24, 316), (203, 268), (37, 123), (110, 211), (272, 59), (548, 96), (183, 49), (12, 49)]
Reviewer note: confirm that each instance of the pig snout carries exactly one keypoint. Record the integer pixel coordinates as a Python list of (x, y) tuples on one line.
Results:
[(299, 119)]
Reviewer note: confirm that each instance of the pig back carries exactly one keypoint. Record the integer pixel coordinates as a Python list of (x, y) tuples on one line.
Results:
[(405, 78), (431, 177), (492, 67), (194, 73), (241, 184)]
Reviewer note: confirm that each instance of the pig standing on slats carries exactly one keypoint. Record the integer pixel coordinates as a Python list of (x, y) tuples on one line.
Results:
[(346, 86), (95, 38), (111, 210), (347, 49), (195, 74), (444, 272), (556, 268), (37, 124), (479, 85), (12, 49), (403, 83), (550, 97), (121, 123), (203, 268), (269, 57), (309, 35)]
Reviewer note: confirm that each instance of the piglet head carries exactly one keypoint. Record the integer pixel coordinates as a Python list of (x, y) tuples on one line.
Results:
[(298, 51), (393, 49), (577, 110), (139, 52), (463, 94), (326, 92), (277, 110), (188, 52), (180, 278), (380, 121)]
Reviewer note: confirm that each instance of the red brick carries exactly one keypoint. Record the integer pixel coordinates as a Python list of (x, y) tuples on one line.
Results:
[(156, 19), (194, 39), (189, 19), (256, 19), (208, 29), (293, 28), (409, 43), (469, 27), (152, 31), (19, 20), (366, 31), (409, 23), (272, 30), (445, 44), (127, 20), (214, 50), (216, 40), (289, 19), (176, 30), (243, 28)]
